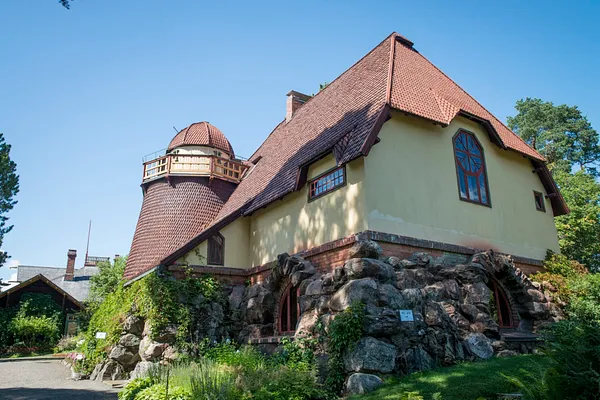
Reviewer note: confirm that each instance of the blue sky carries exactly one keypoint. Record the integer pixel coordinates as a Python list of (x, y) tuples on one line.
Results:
[(85, 93)]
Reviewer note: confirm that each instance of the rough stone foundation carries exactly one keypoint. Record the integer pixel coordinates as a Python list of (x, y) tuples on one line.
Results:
[(450, 302)]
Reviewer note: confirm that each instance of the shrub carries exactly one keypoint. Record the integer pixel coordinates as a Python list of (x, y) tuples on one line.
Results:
[(206, 379), (135, 386), (159, 392), (559, 264), (584, 299), (280, 383), (67, 343), (42, 332)]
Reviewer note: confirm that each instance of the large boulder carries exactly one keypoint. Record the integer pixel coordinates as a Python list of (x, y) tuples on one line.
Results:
[(133, 325), (259, 306), (141, 369), (109, 370), (365, 249), (151, 350), (208, 322), (130, 341), (124, 356), (236, 297), (480, 345), (357, 268), (371, 355), (362, 290), (359, 383), (389, 296), (167, 335), (382, 322)]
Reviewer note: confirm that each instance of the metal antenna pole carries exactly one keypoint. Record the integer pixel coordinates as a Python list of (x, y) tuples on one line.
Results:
[(88, 242)]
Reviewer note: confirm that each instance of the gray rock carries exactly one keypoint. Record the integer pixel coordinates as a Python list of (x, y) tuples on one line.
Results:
[(390, 296), (124, 356), (480, 345), (420, 259), (413, 297), (395, 262), (298, 276), (506, 353), (259, 308), (141, 369), (314, 288), (168, 334), (207, 322), (362, 383), (536, 295), (151, 350), (133, 325), (357, 268), (236, 297), (307, 323), (382, 322), (363, 290), (371, 355), (131, 341), (476, 293), (365, 249), (110, 371)]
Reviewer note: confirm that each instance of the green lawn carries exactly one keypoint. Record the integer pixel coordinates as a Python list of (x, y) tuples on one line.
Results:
[(466, 381)]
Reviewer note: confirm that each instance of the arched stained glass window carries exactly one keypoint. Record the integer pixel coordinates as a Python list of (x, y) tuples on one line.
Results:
[(470, 169)]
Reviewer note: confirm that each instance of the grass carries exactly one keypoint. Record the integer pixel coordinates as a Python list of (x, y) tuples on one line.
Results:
[(466, 381)]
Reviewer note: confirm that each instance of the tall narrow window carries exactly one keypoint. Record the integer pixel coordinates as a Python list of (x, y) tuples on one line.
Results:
[(216, 250), (539, 201), (500, 306), (470, 169), (289, 309)]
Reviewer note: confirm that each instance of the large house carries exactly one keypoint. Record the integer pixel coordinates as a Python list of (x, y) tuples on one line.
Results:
[(392, 150)]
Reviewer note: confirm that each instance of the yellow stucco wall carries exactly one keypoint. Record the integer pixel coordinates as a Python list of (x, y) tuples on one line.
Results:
[(294, 224), (411, 189), (237, 246)]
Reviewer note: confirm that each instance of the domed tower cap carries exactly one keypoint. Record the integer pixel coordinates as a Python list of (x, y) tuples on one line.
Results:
[(202, 134)]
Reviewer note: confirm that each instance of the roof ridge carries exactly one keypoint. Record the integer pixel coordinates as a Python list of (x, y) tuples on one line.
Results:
[(480, 105), (388, 89), (393, 34)]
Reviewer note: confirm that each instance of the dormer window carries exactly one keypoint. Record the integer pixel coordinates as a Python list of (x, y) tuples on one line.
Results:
[(326, 183), (216, 250), (470, 169)]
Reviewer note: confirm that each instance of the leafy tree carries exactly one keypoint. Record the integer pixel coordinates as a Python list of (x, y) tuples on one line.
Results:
[(9, 187), (65, 3), (560, 133), (579, 231), (106, 280)]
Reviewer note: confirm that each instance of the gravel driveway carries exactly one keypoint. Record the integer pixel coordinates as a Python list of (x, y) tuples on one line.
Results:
[(47, 379)]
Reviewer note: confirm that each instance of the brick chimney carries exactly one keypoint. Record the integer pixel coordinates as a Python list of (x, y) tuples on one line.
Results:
[(71, 255), (295, 100)]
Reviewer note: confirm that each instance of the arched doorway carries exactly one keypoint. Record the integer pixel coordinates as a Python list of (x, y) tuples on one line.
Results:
[(500, 308), (289, 310)]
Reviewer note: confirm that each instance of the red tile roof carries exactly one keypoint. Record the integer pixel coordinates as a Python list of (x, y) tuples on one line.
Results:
[(173, 212), (351, 109), (201, 134)]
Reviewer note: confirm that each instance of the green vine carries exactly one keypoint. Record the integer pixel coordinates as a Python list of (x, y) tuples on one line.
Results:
[(160, 300), (343, 333)]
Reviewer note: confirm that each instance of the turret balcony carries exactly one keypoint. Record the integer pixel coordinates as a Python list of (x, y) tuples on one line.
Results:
[(194, 165)]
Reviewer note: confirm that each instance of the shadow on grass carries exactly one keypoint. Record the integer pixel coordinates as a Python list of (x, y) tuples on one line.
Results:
[(466, 381), (54, 394)]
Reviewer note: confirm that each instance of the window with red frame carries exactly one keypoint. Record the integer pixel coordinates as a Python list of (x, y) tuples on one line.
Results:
[(502, 312), (289, 309), (327, 182), (470, 169)]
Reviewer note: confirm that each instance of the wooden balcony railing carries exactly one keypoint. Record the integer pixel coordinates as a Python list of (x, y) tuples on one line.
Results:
[(196, 165)]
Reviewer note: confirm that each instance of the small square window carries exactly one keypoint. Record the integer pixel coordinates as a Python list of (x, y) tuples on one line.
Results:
[(540, 205)]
